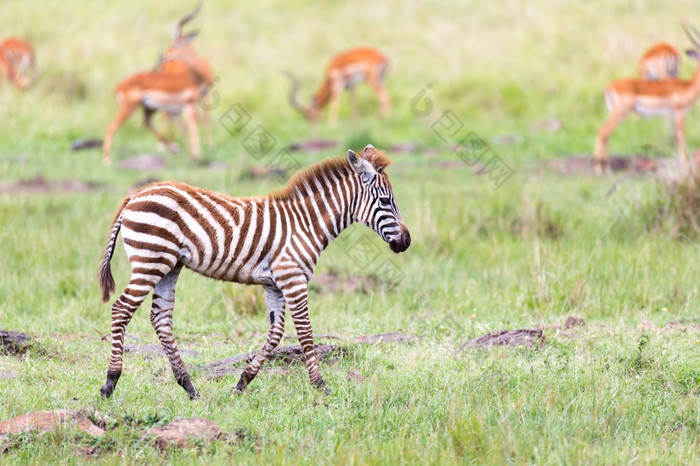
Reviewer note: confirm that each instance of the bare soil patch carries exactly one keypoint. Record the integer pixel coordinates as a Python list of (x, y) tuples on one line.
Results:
[(354, 376), (186, 432), (14, 342), (332, 282), (82, 144), (144, 162), (525, 338), (583, 164), (40, 185), (313, 145), (151, 351), (285, 354)]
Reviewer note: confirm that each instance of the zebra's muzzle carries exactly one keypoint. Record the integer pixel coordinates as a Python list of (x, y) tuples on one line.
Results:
[(401, 242)]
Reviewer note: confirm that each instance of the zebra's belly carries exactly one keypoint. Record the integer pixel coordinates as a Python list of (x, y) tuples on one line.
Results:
[(236, 270)]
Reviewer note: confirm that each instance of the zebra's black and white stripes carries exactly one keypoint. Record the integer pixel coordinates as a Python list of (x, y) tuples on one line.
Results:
[(274, 241)]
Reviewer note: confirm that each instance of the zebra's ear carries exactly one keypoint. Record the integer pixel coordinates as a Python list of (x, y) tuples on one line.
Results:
[(361, 167)]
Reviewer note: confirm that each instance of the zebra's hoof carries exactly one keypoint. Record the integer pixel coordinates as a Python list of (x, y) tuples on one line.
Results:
[(106, 390)]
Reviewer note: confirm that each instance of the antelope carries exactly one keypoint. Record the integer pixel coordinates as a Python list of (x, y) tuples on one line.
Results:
[(660, 61), (345, 71), (650, 98), (179, 58), (176, 85), (17, 62)]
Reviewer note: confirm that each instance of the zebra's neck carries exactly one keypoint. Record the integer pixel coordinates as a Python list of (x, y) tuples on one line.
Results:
[(322, 200)]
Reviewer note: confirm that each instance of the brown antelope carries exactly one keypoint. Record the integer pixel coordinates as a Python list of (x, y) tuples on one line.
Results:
[(345, 71), (660, 61), (181, 58), (176, 85), (17, 62), (650, 98)]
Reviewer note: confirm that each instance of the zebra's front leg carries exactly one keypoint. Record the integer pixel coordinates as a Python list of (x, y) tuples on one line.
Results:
[(162, 321), (274, 301), (296, 296)]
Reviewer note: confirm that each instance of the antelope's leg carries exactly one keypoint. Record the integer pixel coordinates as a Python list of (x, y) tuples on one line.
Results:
[(679, 121), (353, 104), (334, 104), (123, 310), (384, 100), (206, 126), (148, 121), (125, 111), (193, 130), (600, 151), (275, 308), (162, 321)]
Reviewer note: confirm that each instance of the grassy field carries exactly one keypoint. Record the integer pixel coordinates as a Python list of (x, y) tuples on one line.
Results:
[(541, 247)]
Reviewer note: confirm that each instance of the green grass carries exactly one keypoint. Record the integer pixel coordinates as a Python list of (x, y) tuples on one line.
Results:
[(538, 249)]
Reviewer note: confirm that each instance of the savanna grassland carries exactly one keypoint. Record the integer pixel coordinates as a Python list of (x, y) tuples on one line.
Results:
[(624, 388)]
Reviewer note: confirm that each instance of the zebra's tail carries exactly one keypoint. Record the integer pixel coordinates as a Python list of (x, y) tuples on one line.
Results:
[(105, 273)]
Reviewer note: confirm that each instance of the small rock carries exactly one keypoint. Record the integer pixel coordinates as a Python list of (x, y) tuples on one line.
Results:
[(82, 144), (182, 432), (14, 342), (232, 365), (354, 376), (572, 321), (46, 421), (393, 337), (525, 337)]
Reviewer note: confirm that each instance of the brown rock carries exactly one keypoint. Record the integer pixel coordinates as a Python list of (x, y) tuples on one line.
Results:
[(46, 421), (354, 376), (572, 321), (184, 432), (14, 342), (526, 337)]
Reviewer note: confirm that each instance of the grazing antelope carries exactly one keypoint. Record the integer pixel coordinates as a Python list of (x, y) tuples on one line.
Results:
[(17, 62), (176, 85), (660, 61), (179, 58), (274, 241), (345, 71), (649, 98)]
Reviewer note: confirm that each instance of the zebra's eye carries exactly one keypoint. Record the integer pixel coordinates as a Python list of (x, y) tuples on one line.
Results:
[(384, 201)]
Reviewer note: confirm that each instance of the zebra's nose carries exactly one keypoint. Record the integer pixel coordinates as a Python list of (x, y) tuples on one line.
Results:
[(401, 242)]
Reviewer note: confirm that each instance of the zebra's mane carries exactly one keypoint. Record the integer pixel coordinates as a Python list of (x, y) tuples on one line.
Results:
[(337, 166)]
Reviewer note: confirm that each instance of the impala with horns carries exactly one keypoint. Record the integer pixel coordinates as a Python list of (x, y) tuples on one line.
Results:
[(181, 58), (660, 61), (174, 86), (650, 98), (17, 62), (345, 71)]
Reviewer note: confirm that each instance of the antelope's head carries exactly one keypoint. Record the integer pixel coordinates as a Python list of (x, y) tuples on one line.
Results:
[(311, 112)]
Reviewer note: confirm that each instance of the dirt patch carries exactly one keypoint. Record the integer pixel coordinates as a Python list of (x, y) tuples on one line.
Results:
[(404, 148), (8, 375), (583, 164), (82, 144), (40, 185), (15, 342), (525, 338), (186, 432), (144, 162), (151, 351), (683, 327), (255, 173), (572, 322), (354, 376), (391, 337), (332, 282), (285, 354), (313, 145), (46, 421)]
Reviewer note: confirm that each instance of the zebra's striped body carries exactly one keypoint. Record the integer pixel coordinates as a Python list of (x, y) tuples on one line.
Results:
[(273, 241)]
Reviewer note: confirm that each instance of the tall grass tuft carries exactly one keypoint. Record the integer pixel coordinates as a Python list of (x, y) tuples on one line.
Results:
[(678, 203)]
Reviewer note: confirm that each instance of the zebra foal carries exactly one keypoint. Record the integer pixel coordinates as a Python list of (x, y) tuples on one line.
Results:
[(273, 240)]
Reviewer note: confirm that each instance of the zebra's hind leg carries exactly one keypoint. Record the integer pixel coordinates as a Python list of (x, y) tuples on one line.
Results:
[(162, 320), (123, 310), (275, 308)]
